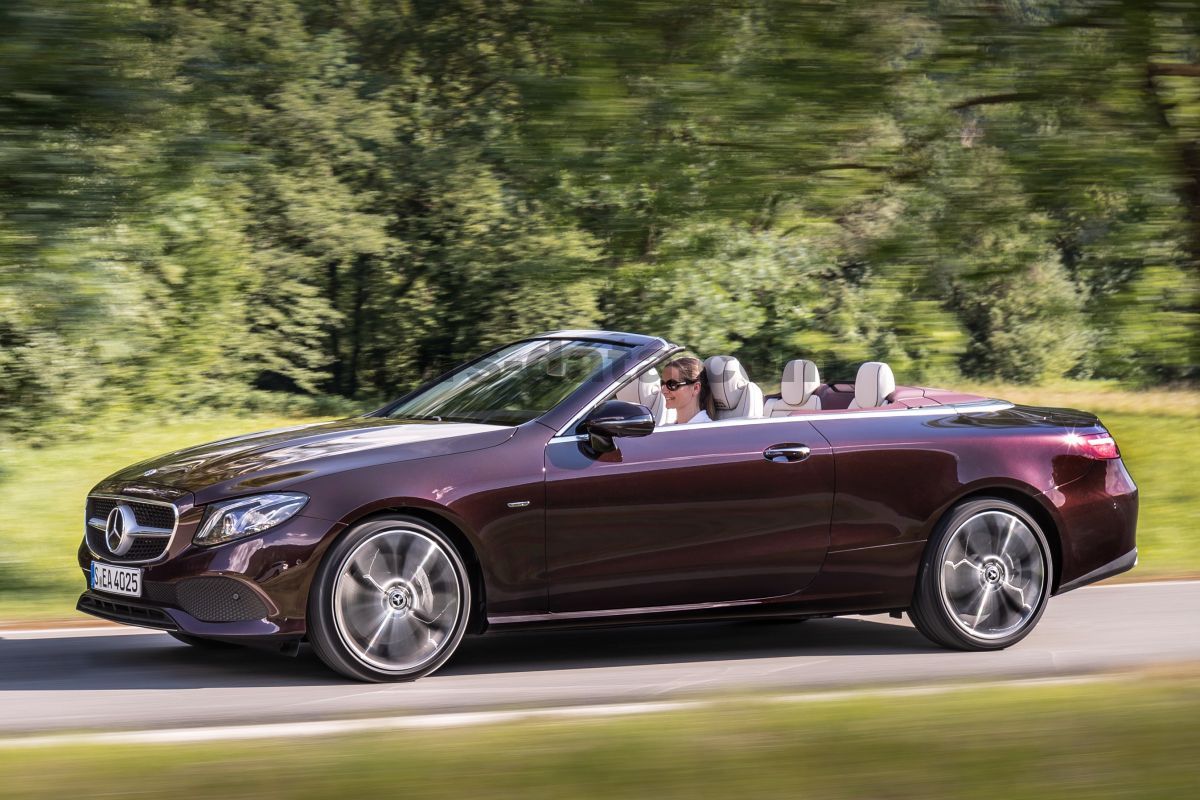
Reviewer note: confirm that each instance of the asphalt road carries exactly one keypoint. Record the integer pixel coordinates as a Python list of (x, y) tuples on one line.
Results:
[(125, 679)]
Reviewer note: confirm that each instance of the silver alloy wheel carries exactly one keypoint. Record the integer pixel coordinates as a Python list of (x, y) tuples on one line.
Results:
[(993, 575), (397, 599)]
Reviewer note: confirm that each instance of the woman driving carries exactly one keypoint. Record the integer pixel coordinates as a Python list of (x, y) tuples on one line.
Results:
[(685, 388)]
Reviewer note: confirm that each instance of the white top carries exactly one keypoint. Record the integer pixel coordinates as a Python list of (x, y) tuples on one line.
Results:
[(701, 416)]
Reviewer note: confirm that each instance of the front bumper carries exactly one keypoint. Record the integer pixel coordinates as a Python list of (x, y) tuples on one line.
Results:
[(255, 588)]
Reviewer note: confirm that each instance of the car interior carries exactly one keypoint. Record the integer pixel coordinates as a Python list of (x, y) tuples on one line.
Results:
[(801, 392)]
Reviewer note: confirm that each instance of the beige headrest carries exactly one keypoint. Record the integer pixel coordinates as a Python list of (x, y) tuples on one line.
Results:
[(800, 380), (644, 390), (873, 384), (726, 380)]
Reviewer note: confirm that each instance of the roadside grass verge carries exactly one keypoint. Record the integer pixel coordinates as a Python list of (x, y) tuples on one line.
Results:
[(42, 489), (1131, 737)]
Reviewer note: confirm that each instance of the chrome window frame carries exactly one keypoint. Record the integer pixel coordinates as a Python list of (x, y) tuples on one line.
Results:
[(627, 376)]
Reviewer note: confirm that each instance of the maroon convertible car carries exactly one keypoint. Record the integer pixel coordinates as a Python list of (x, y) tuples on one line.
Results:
[(541, 484)]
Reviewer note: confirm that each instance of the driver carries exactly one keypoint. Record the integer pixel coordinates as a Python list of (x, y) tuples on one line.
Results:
[(685, 388)]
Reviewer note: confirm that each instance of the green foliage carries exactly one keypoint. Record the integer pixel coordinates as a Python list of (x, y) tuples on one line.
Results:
[(203, 201)]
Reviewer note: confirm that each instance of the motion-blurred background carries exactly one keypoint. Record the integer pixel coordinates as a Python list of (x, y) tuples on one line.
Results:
[(218, 213), (237, 204), (223, 215)]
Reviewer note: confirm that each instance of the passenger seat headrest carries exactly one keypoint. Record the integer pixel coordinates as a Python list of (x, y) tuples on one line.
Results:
[(873, 384), (800, 380), (727, 380), (643, 391)]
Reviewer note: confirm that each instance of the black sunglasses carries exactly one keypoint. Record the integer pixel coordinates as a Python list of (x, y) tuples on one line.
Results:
[(675, 385)]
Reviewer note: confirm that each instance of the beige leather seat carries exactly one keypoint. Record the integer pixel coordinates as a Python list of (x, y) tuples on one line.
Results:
[(733, 393), (647, 391), (873, 385), (800, 381)]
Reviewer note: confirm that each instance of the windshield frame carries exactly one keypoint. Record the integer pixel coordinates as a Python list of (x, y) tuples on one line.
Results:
[(638, 349)]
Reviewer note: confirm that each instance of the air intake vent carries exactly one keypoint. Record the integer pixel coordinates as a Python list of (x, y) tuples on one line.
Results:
[(217, 599)]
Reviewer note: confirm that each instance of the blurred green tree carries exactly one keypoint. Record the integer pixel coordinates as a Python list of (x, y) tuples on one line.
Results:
[(204, 199)]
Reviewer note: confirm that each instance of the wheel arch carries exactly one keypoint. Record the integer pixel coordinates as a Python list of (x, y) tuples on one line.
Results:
[(457, 535), (1028, 503)]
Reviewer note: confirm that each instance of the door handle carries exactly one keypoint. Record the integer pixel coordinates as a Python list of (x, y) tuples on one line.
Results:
[(786, 452)]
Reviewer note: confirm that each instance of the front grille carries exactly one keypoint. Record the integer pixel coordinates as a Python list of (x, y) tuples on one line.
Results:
[(145, 548), (217, 599), (151, 515), (118, 611)]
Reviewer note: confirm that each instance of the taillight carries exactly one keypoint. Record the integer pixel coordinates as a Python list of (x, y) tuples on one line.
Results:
[(1095, 445)]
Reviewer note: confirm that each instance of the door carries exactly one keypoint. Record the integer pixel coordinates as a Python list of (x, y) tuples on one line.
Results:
[(690, 514)]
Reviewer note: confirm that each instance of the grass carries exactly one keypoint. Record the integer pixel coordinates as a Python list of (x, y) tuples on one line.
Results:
[(1130, 738), (1157, 432)]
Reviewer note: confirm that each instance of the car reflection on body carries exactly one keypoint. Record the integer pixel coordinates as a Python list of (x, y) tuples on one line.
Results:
[(540, 485)]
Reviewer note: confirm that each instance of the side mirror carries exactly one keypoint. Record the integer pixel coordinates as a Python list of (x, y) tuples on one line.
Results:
[(616, 418)]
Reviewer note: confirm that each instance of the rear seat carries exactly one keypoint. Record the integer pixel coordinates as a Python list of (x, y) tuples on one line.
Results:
[(873, 385), (798, 388)]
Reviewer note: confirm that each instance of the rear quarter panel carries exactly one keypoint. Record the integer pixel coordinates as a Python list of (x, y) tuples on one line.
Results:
[(898, 472)]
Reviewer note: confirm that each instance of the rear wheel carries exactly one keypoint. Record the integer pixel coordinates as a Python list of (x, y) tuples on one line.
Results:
[(985, 578), (390, 601)]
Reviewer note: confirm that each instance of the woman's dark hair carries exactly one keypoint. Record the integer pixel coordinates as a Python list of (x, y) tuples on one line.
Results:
[(692, 368)]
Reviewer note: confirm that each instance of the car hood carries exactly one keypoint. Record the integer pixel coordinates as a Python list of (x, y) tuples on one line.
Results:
[(277, 458)]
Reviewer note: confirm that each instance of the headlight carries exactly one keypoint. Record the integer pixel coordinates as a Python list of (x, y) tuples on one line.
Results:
[(246, 516)]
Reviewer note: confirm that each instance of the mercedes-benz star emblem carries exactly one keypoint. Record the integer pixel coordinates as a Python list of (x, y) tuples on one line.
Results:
[(121, 522)]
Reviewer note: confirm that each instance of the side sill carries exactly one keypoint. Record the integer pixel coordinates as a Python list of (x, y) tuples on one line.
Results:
[(1114, 567)]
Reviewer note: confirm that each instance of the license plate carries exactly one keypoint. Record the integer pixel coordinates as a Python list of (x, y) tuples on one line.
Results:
[(116, 580)]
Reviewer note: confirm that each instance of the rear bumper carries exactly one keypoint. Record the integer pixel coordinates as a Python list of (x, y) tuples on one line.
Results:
[(1097, 525), (1115, 567)]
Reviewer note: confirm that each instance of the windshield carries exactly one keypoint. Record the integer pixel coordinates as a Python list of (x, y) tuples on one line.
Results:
[(513, 385)]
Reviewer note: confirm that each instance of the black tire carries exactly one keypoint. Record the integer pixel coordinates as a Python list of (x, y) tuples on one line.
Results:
[(201, 643), (998, 546), (426, 595)]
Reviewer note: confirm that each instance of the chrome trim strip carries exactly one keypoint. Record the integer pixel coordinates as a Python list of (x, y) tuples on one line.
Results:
[(920, 411), (503, 619), (136, 530), (620, 381), (147, 533)]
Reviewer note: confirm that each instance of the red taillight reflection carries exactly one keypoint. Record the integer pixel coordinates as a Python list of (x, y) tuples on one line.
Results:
[(1096, 445)]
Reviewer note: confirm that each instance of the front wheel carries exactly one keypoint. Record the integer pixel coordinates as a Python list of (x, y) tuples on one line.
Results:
[(985, 578), (390, 601)]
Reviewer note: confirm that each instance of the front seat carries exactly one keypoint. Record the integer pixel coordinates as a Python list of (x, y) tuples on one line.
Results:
[(733, 394), (798, 387), (873, 385), (647, 391)]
